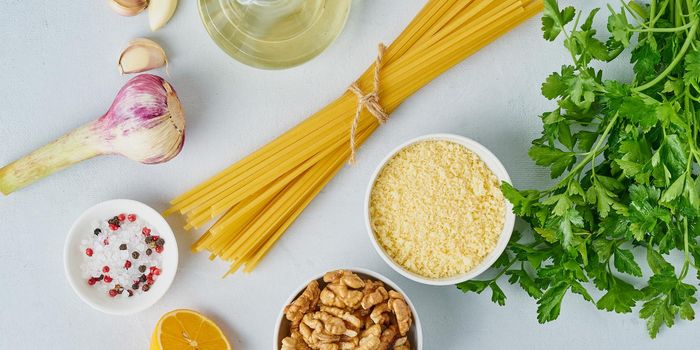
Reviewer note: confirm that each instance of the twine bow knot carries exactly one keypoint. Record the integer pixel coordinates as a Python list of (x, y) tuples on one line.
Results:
[(369, 101)]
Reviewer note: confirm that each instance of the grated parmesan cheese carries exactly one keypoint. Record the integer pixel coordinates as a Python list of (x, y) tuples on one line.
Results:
[(437, 209)]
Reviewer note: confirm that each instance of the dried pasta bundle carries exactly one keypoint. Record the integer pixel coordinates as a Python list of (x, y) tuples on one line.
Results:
[(258, 198)]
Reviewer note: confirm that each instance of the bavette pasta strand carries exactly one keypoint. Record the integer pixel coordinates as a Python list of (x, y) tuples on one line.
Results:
[(254, 201)]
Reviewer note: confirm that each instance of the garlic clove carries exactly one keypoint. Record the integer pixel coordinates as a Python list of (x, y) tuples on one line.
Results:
[(160, 12), (128, 7), (141, 55)]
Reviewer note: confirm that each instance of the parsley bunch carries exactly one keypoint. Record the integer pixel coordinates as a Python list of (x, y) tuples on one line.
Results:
[(626, 159)]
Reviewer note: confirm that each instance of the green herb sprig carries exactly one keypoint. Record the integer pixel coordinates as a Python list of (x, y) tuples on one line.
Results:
[(626, 159)]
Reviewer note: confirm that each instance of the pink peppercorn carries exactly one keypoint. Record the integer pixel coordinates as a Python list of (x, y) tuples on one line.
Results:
[(146, 231), (88, 252), (106, 241), (92, 281), (107, 279), (156, 271), (112, 293), (121, 217), (131, 217), (105, 269), (113, 227), (159, 249), (127, 264)]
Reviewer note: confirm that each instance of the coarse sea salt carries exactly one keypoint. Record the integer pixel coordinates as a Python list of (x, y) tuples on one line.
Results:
[(116, 257)]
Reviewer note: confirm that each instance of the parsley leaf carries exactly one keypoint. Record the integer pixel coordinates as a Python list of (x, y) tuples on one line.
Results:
[(645, 58), (497, 295), (553, 20), (473, 286), (549, 305), (557, 84), (657, 311), (639, 111), (553, 157), (692, 67), (621, 297), (525, 281), (624, 262), (619, 28)]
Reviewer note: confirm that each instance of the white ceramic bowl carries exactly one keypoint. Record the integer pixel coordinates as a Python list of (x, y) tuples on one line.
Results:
[(73, 257), (415, 334), (494, 165)]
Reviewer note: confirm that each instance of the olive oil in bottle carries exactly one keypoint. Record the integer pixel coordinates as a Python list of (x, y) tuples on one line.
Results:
[(274, 34)]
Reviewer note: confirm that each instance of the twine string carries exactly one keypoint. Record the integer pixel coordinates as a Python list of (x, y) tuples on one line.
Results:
[(369, 101)]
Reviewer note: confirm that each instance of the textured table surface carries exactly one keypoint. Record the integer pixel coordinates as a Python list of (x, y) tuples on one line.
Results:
[(58, 71)]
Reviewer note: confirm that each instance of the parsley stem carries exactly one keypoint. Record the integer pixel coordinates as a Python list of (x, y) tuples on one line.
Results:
[(689, 4), (678, 12), (573, 56), (662, 10), (690, 112), (504, 270), (632, 12), (674, 63), (684, 270), (663, 30)]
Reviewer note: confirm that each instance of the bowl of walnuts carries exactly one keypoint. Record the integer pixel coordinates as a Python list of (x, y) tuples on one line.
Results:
[(348, 309)]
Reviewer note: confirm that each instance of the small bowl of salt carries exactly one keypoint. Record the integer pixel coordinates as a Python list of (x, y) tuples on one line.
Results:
[(120, 256)]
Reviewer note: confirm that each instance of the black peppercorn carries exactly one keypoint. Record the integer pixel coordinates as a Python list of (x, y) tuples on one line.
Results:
[(114, 221), (135, 255), (160, 242), (146, 287), (131, 293), (142, 268), (135, 286), (149, 251), (97, 231), (122, 246), (143, 278)]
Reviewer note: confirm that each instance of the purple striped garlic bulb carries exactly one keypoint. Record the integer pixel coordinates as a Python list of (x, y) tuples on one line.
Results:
[(145, 123)]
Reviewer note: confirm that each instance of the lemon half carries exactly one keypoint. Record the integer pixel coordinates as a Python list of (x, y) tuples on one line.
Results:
[(187, 330)]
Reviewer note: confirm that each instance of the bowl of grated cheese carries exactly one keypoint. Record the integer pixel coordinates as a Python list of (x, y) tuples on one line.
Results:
[(435, 212)]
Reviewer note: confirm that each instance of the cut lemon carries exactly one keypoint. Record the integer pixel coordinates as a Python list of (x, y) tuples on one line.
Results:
[(187, 330)]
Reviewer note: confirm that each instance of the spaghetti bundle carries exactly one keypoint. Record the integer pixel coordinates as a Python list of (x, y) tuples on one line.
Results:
[(255, 200)]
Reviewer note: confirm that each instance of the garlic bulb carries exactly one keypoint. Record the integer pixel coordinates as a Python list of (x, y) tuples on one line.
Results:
[(145, 123), (128, 7), (160, 12), (141, 55)]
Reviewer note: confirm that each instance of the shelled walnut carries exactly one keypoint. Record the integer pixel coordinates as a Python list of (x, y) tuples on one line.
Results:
[(348, 313)]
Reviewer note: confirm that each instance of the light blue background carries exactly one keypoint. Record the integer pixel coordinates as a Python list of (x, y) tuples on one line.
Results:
[(58, 70)]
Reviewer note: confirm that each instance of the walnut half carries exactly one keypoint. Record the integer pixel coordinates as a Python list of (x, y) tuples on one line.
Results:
[(306, 302)]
